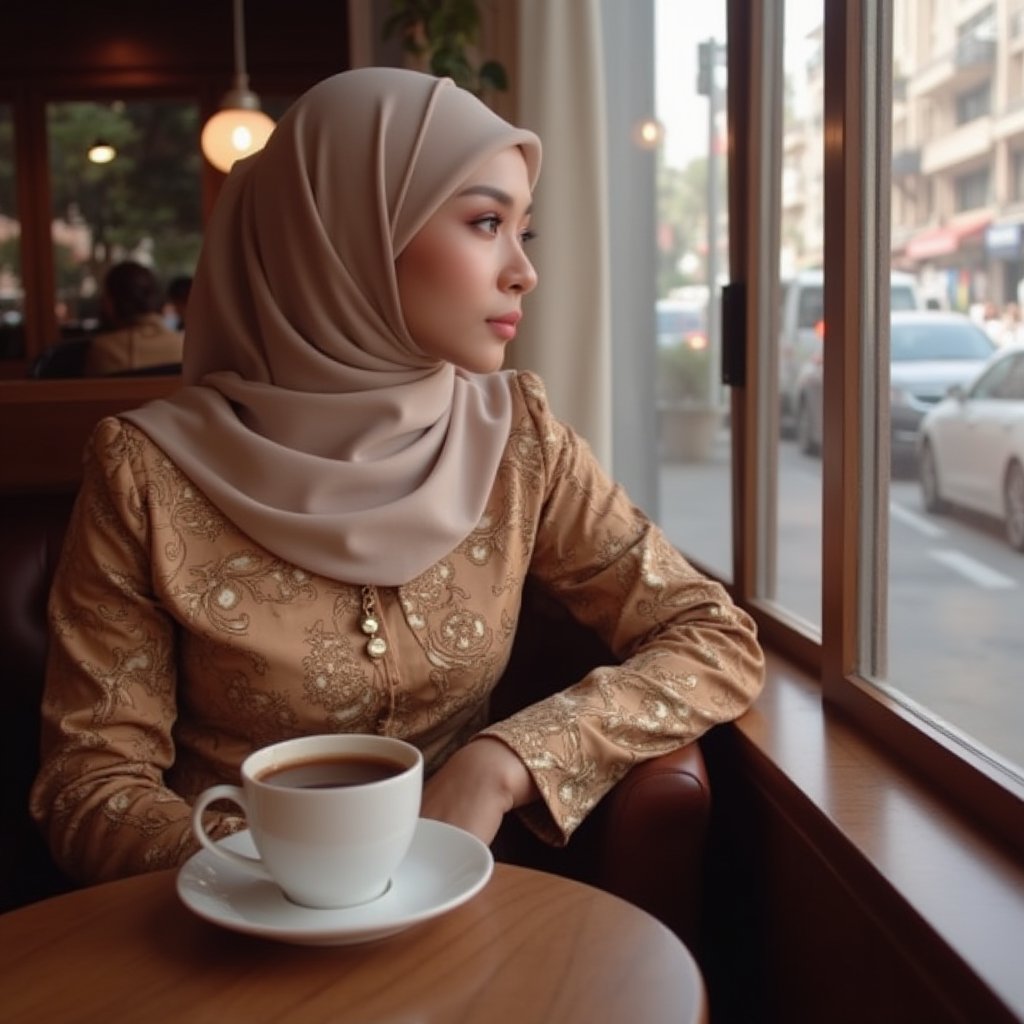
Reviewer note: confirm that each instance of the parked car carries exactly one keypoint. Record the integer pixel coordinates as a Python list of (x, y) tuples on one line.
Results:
[(680, 321), (929, 352), (802, 331), (972, 446)]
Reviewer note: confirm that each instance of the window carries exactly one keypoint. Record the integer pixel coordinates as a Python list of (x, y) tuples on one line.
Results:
[(143, 204), (694, 440), (971, 189), (12, 309), (974, 104), (844, 558), (1017, 175)]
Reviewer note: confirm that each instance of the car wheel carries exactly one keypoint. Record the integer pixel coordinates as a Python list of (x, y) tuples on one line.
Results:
[(928, 471), (804, 431), (1014, 501)]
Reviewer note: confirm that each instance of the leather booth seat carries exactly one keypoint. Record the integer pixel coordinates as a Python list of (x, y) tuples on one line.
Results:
[(644, 842)]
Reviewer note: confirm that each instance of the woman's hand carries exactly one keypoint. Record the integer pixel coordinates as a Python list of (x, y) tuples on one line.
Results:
[(477, 786)]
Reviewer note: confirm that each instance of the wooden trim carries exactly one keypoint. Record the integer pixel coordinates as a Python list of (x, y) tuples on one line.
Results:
[(844, 286), (947, 896), (45, 424)]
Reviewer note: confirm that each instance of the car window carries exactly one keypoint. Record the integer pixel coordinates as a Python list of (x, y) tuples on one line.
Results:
[(902, 297), (990, 383), (938, 340), (811, 309), (1015, 380), (677, 321), (1009, 384)]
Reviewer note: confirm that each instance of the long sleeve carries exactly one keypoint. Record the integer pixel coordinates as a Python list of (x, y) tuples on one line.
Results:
[(689, 658), (110, 700)]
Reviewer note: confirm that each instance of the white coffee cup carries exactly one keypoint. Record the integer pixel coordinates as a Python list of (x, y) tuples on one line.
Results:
[(331, 816)]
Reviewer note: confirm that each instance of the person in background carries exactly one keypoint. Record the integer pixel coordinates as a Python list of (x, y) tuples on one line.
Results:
[(992, 322), (133, 334), (176, 301), (1012, 332), (330, 526)]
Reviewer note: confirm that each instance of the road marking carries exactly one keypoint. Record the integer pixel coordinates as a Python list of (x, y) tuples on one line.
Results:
[(912, 519), (977, 572)]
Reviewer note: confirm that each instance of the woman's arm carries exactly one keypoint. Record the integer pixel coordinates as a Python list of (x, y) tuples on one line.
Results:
[(688, 657), (477, 786), (110, 696)]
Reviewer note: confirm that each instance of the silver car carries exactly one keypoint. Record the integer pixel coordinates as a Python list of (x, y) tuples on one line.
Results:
[(972, 446), (930, 351)]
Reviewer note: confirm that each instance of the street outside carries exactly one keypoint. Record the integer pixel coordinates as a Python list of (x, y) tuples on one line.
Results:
[(955, 636)]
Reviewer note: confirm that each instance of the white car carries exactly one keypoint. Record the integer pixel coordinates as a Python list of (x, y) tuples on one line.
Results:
[(972, 446), (802, 330), (930, 352)]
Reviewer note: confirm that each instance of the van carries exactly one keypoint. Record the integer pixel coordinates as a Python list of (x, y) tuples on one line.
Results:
[(802, 329)]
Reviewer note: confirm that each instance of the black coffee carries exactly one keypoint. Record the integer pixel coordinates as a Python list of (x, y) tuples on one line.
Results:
[(332, 772)]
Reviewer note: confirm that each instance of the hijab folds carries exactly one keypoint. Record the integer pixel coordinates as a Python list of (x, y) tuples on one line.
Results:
[(309, 416)]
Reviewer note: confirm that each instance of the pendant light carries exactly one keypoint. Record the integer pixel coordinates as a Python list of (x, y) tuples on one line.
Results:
[(101, 152), (239, 127)]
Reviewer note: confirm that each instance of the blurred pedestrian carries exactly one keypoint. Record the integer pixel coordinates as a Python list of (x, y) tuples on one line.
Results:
[(133, 334)]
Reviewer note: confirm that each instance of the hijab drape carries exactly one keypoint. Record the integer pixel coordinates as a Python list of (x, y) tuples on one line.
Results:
[(309, 416)]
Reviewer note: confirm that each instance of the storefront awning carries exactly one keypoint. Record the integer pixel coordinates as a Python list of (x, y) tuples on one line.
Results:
[(945, 240)]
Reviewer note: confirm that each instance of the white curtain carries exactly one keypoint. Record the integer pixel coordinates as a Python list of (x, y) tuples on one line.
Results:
[(566, 334)]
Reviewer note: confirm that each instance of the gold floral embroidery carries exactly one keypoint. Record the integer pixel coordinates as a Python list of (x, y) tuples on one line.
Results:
[(179, 645)]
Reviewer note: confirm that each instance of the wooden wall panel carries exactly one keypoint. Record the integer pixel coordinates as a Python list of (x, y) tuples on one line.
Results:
[(68, 39), (44, 425)]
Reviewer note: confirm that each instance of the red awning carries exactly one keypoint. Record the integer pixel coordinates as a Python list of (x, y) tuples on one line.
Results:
[(942, 241)]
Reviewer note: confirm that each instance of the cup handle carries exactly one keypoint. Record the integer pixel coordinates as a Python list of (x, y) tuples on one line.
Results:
[(233, 793)]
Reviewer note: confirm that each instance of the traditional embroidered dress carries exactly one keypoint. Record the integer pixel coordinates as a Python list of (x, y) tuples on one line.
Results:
[(180, 644)]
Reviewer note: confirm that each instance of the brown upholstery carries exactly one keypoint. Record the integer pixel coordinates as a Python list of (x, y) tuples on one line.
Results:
[(644, 842)]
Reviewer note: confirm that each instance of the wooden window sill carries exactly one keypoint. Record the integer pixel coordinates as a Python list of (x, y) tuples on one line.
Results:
[(950, 898)]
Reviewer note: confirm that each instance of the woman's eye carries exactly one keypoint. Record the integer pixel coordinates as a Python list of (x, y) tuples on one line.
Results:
[(491, 223), (527, 236)]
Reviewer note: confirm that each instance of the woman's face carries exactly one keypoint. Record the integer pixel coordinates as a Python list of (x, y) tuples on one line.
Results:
[(462, 278)]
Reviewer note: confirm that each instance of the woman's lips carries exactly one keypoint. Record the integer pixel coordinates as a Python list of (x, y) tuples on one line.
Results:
[(505, 326)]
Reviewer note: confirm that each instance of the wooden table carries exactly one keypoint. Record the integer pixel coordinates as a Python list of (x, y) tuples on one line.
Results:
[(531, 948)]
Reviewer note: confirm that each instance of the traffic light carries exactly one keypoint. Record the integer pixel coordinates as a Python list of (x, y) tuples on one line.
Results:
[(705, 67)]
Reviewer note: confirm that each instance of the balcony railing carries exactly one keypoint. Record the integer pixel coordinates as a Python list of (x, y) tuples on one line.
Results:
[(972, 51), (906, 161)]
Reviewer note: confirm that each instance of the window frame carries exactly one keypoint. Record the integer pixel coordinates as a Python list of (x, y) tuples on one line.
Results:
[(858, 85)]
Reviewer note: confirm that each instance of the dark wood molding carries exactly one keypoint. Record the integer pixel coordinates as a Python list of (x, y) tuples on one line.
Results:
[(844, 889)]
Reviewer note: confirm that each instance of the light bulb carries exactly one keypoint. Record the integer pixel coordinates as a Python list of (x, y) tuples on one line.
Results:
[(234, 133), (101, 152)]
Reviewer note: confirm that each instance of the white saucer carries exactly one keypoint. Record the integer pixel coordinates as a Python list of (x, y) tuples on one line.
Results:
[(443, 869)]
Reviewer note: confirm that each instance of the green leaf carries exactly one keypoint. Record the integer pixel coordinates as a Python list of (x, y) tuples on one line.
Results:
[(493, 75)]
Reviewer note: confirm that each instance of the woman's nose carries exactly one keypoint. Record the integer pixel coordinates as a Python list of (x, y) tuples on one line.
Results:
[(519, 275)]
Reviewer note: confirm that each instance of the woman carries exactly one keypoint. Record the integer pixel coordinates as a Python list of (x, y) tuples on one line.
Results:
[(329, 528), (135, 336)]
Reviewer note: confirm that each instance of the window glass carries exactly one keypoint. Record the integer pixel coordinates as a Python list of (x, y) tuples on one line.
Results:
[(956, 495), (142, 204), (12, 332), (792, 574), (693, 262)]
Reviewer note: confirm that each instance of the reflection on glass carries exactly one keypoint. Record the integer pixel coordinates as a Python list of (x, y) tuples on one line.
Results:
[(956, 514), (693, 263), (143, 205), (796, 581), (12, 331)]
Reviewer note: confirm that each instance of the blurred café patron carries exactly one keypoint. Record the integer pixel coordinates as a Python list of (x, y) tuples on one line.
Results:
[(134, 335)]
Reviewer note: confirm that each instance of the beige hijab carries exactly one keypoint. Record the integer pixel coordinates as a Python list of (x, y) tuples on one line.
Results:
[(310, 417)]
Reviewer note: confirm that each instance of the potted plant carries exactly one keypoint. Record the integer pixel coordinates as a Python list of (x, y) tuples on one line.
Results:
[(441, 36), (688, 416)]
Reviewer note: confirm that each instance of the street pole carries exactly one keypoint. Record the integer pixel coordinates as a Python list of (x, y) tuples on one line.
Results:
[(707, 84)]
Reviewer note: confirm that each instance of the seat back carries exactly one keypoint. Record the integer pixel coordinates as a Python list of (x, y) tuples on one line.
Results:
[(31, 534), (65, 359)]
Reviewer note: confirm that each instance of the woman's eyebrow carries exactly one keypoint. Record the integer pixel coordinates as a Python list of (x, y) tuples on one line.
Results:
[(497, 194)]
